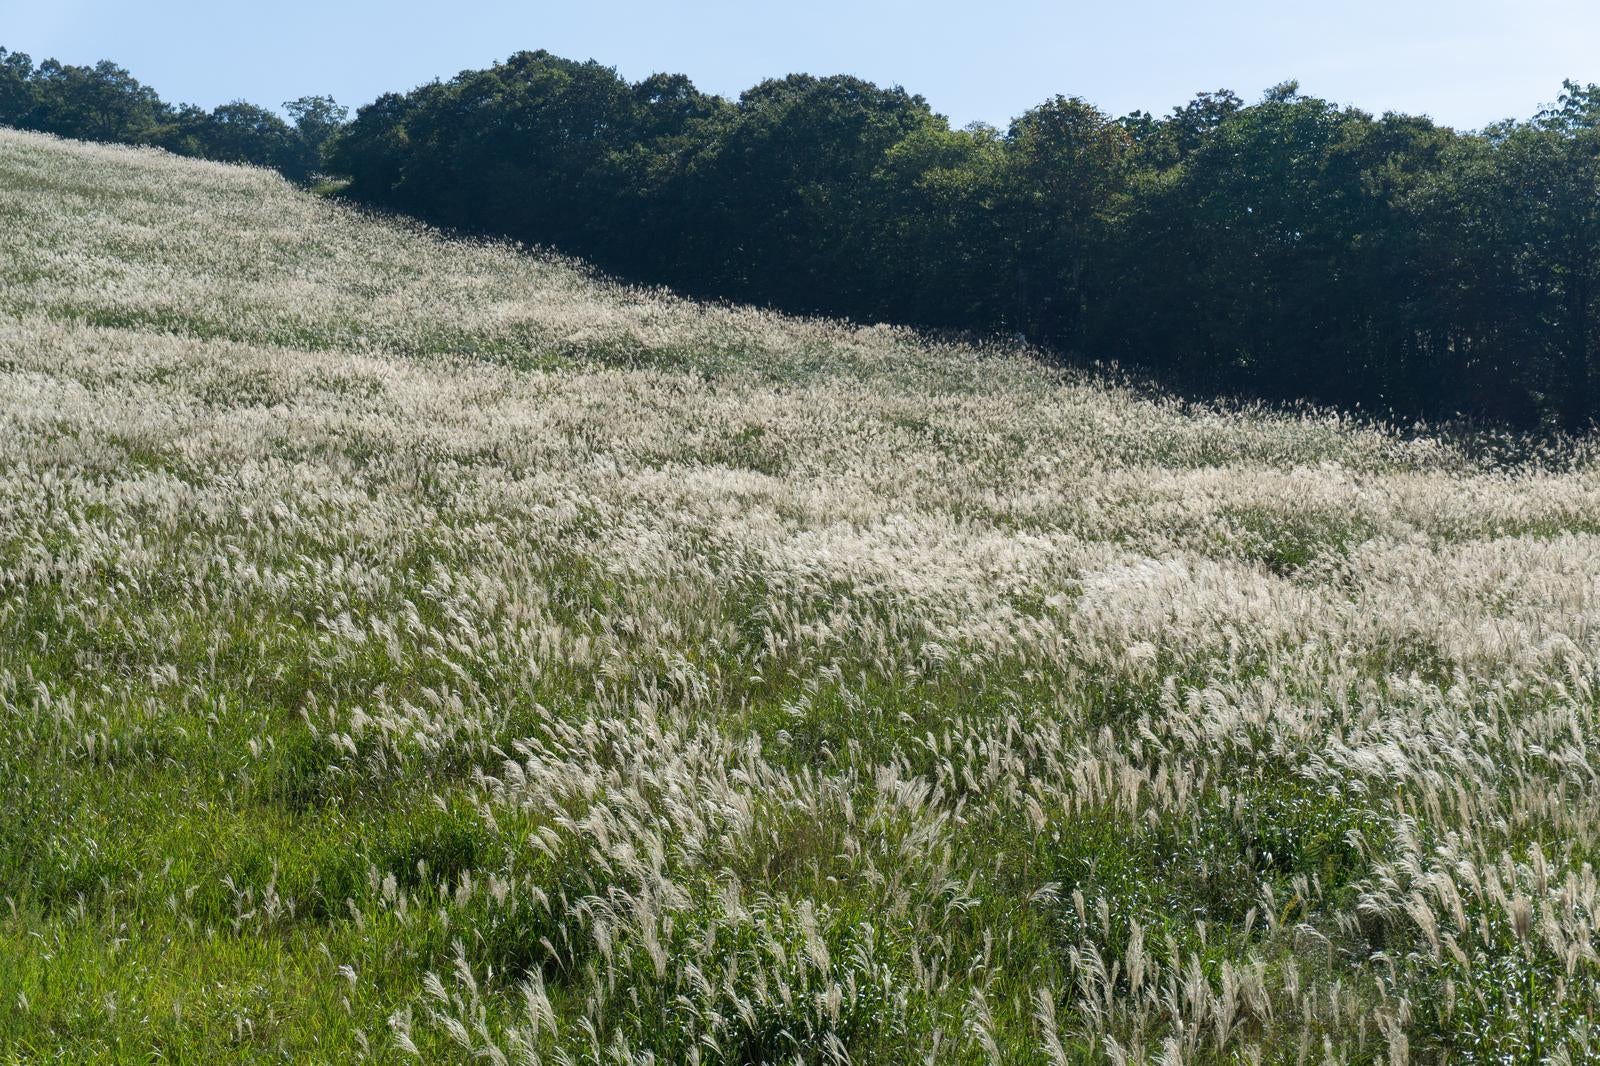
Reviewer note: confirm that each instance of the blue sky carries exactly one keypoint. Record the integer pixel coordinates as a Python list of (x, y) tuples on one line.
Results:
[(1465, 62)]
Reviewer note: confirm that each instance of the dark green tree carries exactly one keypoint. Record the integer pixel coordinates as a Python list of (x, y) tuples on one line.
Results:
[(316, 119), (241, 132), (1553, 167), (99, 103), (1067, 168), (937, 241), (16, 88)]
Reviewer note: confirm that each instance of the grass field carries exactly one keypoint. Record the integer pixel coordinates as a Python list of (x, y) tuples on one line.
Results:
[(415, 648)]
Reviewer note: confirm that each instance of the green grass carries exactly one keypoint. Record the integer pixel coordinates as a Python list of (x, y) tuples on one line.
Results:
[(415, 649)]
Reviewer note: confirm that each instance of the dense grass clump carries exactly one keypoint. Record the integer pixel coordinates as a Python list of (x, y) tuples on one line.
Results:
[(415, 648)]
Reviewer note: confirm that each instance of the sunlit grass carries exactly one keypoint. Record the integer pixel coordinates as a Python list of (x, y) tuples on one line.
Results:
[(420, 648)]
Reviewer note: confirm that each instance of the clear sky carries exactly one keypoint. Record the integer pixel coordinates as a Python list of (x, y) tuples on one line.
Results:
[(1465, 62)]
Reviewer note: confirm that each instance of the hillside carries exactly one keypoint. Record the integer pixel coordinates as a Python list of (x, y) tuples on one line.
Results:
[(413, 645)]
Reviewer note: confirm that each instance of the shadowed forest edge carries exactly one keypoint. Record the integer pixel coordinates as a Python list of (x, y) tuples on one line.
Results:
[(1289, 249)]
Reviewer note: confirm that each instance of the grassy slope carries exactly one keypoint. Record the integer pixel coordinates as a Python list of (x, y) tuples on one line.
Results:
[(416, 644)]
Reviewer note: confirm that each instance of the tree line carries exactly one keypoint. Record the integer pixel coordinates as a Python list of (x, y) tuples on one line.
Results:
[(1287, 248), (104, 102)]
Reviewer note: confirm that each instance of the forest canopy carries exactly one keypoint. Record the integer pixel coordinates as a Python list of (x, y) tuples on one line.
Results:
[(1288, 248)]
